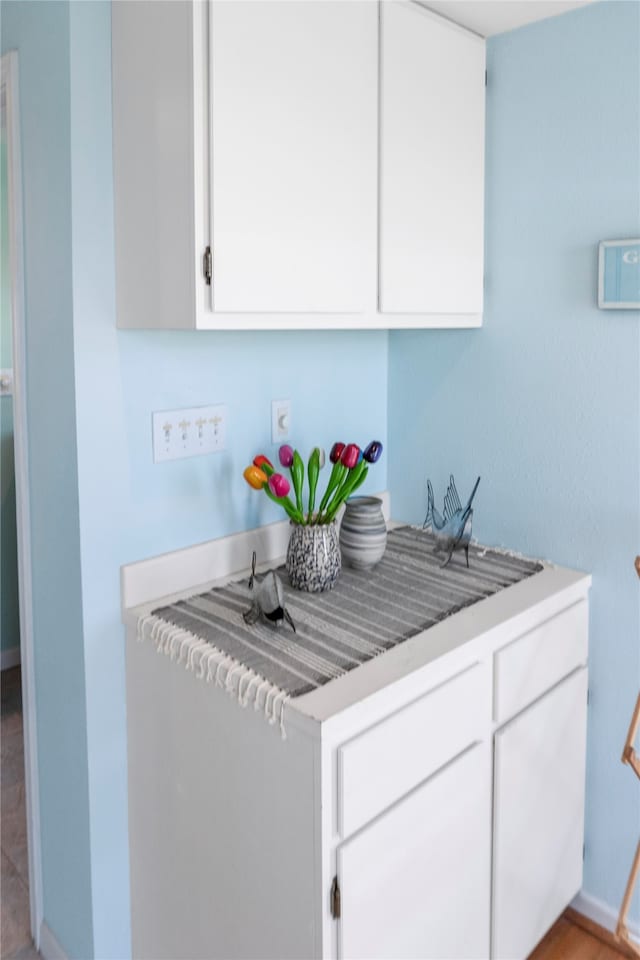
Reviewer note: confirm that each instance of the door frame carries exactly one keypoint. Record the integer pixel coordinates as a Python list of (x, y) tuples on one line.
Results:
[(9, 87)]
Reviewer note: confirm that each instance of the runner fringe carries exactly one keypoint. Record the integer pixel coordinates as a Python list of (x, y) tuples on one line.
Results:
[(211, 664)]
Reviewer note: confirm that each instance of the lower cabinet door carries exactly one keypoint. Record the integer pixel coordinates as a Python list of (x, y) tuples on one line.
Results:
[(539, 779), (416, 881)]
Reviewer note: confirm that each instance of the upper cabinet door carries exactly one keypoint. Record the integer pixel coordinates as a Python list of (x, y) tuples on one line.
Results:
[(432, 164), (293, 155)]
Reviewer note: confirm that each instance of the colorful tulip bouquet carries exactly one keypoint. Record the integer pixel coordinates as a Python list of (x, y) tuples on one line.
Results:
[(350, 468)]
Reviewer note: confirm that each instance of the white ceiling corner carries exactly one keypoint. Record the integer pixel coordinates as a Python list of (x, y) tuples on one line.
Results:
[(489, 17)]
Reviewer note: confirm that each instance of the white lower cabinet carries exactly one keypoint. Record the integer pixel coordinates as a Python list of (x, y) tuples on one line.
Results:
[(428, 804), (539, 773), (414, 882)]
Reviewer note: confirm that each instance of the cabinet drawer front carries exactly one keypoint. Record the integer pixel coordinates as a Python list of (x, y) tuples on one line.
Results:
[(536, 661), (381, 765)]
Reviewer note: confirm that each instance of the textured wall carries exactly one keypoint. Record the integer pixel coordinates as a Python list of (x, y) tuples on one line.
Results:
[(40, 33), (544, 401)]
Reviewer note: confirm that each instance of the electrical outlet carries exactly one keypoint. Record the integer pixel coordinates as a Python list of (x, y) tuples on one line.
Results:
[(280, 420), (191, 432)]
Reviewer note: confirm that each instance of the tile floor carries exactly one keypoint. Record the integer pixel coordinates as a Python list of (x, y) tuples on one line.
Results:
[(15, 938)]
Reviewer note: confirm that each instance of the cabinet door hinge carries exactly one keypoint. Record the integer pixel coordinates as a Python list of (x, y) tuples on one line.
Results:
[(335, 899), (207, 265), (486, 78)]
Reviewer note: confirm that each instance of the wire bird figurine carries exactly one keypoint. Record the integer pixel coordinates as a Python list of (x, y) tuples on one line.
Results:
[(269, 599), (452, 528)]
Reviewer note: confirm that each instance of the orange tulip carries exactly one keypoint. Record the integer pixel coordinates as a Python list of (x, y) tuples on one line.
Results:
[(255, 477)]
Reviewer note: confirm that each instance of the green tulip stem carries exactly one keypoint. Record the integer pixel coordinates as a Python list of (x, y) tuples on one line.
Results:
[(313, 472), (297, 476), (285, 503), (356, 478), (338, 474)]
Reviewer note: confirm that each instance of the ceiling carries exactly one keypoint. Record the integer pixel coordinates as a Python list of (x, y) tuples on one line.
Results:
[(488, 17)]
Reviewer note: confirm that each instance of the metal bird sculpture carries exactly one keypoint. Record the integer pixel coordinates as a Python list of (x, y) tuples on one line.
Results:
[(452, 528), (269, 599)]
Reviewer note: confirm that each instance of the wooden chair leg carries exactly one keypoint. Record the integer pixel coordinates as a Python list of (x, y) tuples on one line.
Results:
[(622, 931), (629, 754), (630, 757)]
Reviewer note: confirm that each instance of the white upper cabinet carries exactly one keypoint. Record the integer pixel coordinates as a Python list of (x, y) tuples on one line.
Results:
[(294, 126), (431, 164), (160, 224), (296, 164)]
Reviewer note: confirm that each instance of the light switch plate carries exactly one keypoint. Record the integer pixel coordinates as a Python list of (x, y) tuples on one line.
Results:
[(280, 420), (190, 432)]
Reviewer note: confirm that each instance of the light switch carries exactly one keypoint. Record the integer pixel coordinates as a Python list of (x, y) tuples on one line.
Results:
[(280, 420), (188, 433)]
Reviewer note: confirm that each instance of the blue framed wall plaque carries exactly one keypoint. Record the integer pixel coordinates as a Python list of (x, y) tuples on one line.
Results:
[(619, 275)]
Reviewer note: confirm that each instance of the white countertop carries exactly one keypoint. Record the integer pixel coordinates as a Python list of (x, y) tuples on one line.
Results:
[(493, 621)]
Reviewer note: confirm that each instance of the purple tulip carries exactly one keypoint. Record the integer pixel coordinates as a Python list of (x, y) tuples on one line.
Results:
[(285, 453), (279, 485), (350, 456), (336, 452), (373, 451)]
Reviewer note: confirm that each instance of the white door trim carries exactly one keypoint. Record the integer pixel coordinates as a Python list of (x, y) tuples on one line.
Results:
[(9, 81)]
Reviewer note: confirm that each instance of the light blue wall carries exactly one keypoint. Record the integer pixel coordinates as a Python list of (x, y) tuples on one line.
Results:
[(6, 349), (544, 401), (9, 618), (40, 32), (131, 508)]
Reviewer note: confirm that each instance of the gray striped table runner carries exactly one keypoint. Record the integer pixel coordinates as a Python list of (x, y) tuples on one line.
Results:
[(365, 614)]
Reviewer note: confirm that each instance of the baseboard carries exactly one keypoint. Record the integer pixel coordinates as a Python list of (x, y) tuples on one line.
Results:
[(9, 658), (602, 914), (49, 947)]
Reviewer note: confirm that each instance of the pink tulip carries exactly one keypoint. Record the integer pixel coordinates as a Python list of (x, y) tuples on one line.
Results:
[(350, 456), (279, 485), (285, 454)]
